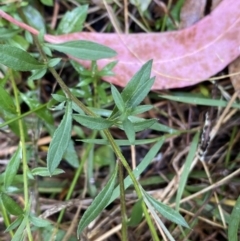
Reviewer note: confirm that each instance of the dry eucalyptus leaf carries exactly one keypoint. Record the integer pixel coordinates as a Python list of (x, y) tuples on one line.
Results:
[(215, 3), (192, 11), (180, 58)]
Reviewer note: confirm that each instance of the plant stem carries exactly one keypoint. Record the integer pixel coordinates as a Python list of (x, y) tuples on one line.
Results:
[(24, 153), (22, 141), (122, 202), (6, 218), (22, 115)]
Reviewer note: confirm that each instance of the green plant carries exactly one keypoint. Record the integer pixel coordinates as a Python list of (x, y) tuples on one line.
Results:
[(123, 116), (92, 110)]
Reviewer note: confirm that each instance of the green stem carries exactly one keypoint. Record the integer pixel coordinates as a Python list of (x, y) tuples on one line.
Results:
[(122, 202), (22, 141), (23, 115), (6, 218), (134, 180), (24, 153)]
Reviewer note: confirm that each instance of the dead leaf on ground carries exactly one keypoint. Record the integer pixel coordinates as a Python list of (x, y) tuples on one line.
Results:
[(215, 3), (192, 11)]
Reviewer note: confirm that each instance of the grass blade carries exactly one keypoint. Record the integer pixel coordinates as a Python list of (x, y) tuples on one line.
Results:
[(186, 169)]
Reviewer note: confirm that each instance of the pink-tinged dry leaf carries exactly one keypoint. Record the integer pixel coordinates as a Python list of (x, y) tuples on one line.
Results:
[(192, 11), (181, 58), (215, 3)]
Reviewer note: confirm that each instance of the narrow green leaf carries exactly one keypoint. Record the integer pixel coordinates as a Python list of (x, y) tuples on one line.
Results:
[(234, 222), (155, 126), (19, 234), (143, 124), (186, 169), (156, 217), (73, 21), (38, 222), (37, 74), (140, 93), (117, 98), (185, 98), (60, 140), (98, 204), (6, 101), (43, 172), (15, 223), (6, 34), (166, 211), (53, 62), (59, 98), (139, 169), (118, 142), (11, 206), (141, 109), (175, 14), (129, 130), (136, 214), (34, 18), (77, 109), (84, 50), (101, 112), (18, 59), (47, 51), (12, 167), (137, 80), (59, 106), (18, 42), (163, 128), (80, 69), (107, 70), (70, 155), (95, 123), (47, 2)]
